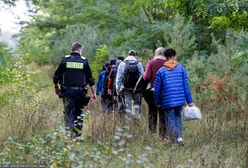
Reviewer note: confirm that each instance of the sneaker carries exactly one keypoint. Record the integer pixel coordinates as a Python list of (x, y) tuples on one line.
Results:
[(180, 141)]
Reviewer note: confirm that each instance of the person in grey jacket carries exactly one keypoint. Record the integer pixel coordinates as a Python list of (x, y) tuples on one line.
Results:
[(128, 74)]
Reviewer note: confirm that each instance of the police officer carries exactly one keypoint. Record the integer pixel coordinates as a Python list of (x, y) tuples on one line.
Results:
[(73, 74)]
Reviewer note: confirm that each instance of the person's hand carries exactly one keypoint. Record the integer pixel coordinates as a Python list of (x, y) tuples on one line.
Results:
[(57, 90), (118, 93), (109, 92), (115, 98), (93, 97), (191, 104)]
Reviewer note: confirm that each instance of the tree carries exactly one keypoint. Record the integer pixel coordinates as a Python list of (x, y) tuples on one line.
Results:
[(9, 2), (142, 25)]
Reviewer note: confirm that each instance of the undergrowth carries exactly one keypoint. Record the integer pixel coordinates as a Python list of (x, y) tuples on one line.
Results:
[(32, 128)]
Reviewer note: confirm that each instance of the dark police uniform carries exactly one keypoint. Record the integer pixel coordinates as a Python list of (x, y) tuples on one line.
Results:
[(73, 74)]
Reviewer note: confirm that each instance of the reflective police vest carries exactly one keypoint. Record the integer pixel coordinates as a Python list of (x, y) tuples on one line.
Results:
[(74, 74)]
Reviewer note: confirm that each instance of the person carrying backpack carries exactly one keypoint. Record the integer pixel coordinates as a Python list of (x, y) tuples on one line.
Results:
[(111, 84), (108, 96), (128, 74)]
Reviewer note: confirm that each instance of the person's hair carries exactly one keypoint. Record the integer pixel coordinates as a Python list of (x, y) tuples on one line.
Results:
[(106, 64), (170, 53), (120, 58), (76, 46), (132, 53), (159, 51), (112, 62)]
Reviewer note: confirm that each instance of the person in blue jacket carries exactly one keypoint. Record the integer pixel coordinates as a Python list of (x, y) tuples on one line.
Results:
[(100, 87), (171, 90)]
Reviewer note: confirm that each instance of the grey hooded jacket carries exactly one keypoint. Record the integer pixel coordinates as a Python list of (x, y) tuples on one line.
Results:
[(120, 72)]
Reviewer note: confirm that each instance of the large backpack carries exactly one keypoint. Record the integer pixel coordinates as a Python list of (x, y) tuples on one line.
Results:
[(107, 96), (131, 74)]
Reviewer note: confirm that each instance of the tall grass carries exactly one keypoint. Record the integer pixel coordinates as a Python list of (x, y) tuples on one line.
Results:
[(32, 131), (26, 105)]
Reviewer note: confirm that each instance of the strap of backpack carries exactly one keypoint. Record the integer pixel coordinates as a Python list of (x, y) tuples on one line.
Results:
[(129, 62)]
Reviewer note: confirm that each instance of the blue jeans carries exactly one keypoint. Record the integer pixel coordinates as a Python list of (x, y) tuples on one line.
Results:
[(173, 122)]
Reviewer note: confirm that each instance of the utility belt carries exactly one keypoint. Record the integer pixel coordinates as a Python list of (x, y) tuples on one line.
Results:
[(74, 88), (85, 100)]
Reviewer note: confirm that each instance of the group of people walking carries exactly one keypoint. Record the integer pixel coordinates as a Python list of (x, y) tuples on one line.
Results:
[(122, 83), (117, 82)]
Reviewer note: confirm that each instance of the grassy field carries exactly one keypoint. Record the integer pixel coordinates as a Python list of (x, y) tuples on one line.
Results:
[(32, 131)]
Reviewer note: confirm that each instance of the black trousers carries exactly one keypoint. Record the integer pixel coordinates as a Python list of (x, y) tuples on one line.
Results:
[(73, 110), (153, 114)]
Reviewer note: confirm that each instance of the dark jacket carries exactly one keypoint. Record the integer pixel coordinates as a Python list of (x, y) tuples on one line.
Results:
[(73, 70), (141, 86)]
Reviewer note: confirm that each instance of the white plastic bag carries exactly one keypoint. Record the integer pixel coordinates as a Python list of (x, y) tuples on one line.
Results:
[(192, 113)]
